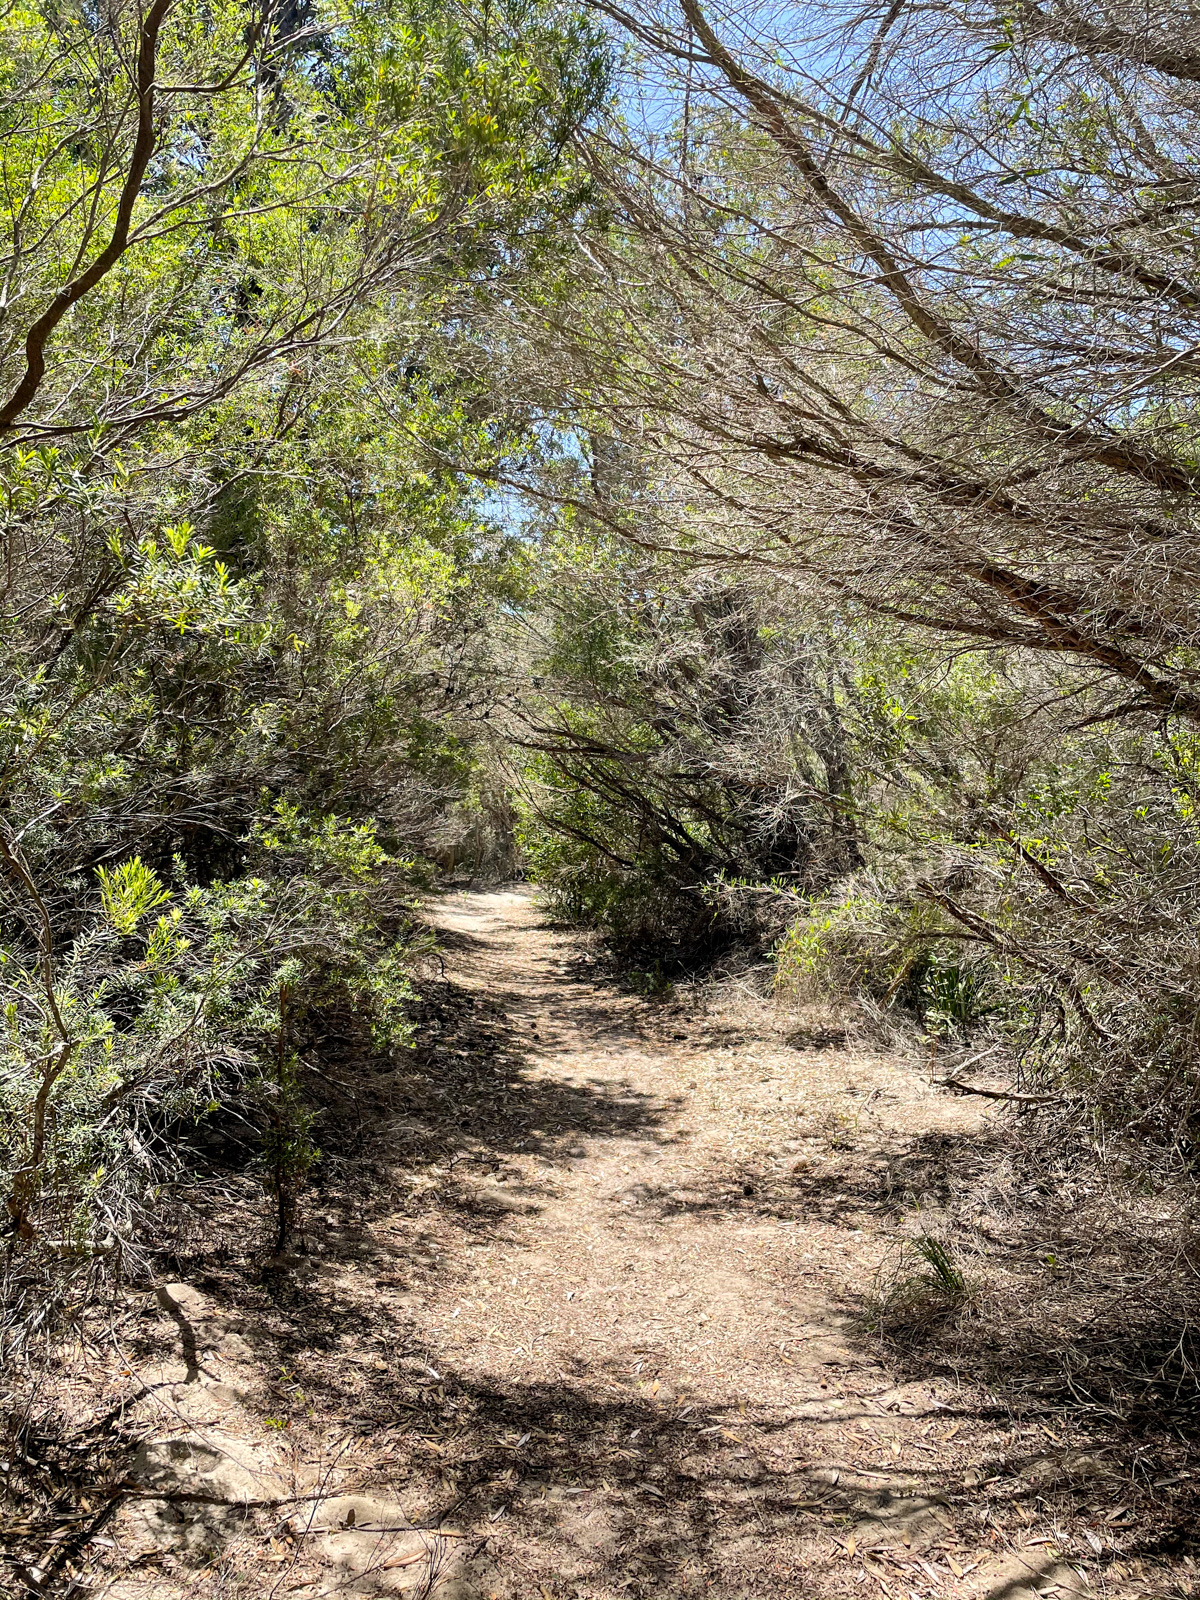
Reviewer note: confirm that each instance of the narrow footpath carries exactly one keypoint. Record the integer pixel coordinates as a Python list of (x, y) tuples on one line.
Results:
[(579, 1318)]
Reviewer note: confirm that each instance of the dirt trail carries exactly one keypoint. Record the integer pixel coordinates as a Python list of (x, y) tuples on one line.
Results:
[(575, 1322)]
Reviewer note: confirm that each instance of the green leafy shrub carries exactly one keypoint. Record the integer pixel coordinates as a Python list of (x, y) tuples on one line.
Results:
[(681, 736), (146, 1020), (894, 954)]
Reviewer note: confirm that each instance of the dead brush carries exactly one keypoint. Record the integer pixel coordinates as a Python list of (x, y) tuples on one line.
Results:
[(908, 1302)]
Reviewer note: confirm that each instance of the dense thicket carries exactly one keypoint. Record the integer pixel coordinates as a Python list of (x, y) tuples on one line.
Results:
[(242, 604), (896, 328), (679, 733)]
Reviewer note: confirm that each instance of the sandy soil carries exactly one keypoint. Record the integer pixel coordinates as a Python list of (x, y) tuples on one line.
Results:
[(578, 1314)]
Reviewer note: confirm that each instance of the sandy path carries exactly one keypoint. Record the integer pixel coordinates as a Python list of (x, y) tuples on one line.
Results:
[(630, 1259), (664, 1281), (577, 1304)]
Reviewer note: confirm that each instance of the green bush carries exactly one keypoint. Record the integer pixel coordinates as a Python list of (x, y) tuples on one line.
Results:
[(681, 736), (173, 998)]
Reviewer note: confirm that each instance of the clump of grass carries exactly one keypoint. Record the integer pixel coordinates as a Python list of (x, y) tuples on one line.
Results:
[(911, 1300), (943, 1272)]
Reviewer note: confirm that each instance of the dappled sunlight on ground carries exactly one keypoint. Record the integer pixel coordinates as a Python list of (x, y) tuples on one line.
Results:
[(577, 1312)]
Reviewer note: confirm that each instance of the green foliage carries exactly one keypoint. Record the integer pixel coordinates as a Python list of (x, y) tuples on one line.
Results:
[(680, 735), (944, 1272), (148, 1025), (129, 893), (295, 178), (956, 998), (908, 1304), (1031, 880), (888, 948), (245, 593)]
